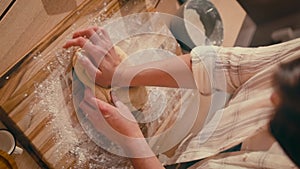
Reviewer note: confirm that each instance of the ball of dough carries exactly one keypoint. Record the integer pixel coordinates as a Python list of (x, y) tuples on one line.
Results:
[(133, 97)]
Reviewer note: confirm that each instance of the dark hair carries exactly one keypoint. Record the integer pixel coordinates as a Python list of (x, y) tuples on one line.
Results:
[(285, 125)]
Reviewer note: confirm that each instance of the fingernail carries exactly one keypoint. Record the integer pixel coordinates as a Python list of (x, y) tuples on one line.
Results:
[(103, 111), (106, 115), (113, 97), (118, 104)]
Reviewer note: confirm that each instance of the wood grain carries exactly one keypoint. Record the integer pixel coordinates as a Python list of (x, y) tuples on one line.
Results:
[(36, 101), (24, 25)]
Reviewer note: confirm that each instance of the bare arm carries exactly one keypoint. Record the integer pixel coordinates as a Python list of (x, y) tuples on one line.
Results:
[(146, 163), (102, 63), (172, 72)]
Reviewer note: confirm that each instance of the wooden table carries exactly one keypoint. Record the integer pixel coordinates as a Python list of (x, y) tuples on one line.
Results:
[(36, 101)]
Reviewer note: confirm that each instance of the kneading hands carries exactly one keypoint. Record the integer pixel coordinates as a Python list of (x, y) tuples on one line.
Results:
[(115, 122)]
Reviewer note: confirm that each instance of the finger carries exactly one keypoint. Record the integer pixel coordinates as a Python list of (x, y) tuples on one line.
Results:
[(92, 71), (94, 113), (107, 110), (100, 37), (90, 33), (88, 98), (101, 121), (112, 56), (106, 41), (117, 102), (113, 96), (96, 118), (95, 53), (90, 112), (75, 42), (83, 43), (123, 109), (86, 32), (104, 32)]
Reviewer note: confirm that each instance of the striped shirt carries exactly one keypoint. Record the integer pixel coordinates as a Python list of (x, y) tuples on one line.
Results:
[(245, 75)]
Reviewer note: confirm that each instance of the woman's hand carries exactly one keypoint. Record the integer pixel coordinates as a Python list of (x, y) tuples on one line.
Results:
[(113, 122), (102, 60), (119, 125)]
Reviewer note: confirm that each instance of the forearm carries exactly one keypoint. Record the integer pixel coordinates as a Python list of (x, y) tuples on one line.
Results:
[(171, 72), (146, 163), (141, 155)]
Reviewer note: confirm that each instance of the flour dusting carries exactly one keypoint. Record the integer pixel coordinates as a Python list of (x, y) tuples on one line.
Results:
[(55, 101)]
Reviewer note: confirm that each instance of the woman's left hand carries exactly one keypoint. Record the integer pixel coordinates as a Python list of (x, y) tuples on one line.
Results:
[(116, 123)]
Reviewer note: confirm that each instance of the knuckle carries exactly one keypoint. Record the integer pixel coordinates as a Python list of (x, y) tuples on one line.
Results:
[(98, 74), (101, 29), (95, 28), (81, 41), (105, 109), (90, 31), (115, 64), (104, 32)]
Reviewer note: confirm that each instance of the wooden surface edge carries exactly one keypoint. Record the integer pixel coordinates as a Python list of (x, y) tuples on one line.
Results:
[(7, 6), (46, 40)]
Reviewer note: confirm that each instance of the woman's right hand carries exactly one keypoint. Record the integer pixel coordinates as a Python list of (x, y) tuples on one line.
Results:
[(102, 60)]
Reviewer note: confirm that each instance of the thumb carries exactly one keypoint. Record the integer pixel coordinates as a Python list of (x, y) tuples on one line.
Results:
[(121, 106), (88, 66), (123, 109)]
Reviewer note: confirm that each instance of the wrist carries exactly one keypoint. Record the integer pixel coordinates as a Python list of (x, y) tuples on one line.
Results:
[(137, 148), (125, 76), (119, 76)]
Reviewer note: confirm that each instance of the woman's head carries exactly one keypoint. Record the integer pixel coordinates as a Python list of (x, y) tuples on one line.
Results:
[(285, 125)]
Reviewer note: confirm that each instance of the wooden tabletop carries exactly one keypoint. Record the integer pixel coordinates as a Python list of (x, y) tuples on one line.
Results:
[(48, 128), (25, 24), (37, 102)]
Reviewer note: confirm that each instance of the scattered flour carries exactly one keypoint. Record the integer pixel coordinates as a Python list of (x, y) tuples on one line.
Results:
[(54, 100)]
